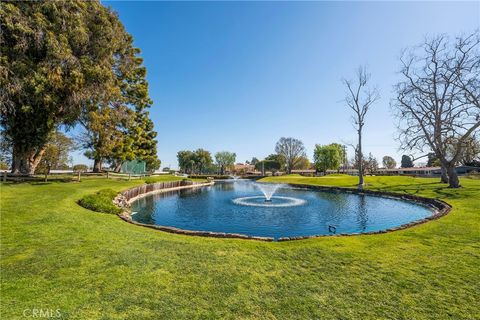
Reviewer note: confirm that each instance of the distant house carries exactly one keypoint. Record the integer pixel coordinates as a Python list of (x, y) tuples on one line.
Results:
[(309, 172), (425, 171), (242, 168), (134, 167), (414, 171), (304, 172)]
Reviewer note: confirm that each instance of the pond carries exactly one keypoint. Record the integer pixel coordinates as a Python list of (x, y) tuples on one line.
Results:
[(240, 206)]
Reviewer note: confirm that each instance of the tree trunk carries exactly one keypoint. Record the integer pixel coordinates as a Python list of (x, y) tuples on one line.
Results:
[(47, 172), (118, 167), (360, 160), (97, 165), (25, 162), (453, 181), (444, 176)]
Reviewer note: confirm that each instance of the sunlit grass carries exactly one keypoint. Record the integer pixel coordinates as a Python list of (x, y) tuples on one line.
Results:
[(58, 255)]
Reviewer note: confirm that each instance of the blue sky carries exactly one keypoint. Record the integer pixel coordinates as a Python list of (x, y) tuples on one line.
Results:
[(237, 76)]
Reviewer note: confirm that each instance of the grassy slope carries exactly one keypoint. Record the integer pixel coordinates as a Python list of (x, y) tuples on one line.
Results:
[(58, 255)]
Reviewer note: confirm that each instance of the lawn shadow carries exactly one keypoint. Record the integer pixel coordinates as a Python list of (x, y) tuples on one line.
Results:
[(407, 188), (451, 193)]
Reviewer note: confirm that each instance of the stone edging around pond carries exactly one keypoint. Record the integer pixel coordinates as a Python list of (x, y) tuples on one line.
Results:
[(440, 208)]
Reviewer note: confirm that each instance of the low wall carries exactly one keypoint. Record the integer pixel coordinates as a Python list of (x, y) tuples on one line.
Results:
[(147, 189)]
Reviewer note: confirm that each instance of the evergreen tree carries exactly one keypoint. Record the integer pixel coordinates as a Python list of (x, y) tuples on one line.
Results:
[(126, 132), (144, 143), (194, 161), (224, 160), (186, 161), (56, 155), (106, 137), (268, 165), (406, 162), (203, 159), (327, 157), (56, 58), (275, 158)]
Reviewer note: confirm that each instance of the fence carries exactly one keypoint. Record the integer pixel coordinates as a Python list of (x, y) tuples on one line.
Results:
[(68, 176)]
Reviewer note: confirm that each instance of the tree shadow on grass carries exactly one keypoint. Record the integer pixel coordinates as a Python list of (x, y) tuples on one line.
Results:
[(406, 188), (460, 193), (433, 189), (40, 183)]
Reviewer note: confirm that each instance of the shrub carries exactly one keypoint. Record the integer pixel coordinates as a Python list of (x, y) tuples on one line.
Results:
[(150, 180), (473, 175), (101, 201), (4, 165), (80, 167)]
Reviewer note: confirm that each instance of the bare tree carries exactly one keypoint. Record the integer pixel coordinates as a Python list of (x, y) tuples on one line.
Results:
[(388, 162), (292, 150), (360, 98), (438, 100)]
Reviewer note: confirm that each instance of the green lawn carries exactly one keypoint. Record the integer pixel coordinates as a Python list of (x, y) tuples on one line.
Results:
[(58, 255)]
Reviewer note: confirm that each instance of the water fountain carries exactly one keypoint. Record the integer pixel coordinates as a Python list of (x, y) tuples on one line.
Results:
[(268, 199), (268, 190), (240, 207)]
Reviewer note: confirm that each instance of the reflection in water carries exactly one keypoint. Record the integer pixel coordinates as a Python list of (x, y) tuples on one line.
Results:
[(362, 214), (184, 193), (335, 209), (212, 209), (274, 202), (225, 185)]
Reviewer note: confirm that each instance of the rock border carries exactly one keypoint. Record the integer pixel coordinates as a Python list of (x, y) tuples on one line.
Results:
[(440, 209)]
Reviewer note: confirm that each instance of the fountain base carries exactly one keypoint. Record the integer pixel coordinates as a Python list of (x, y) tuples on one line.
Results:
[(260, 201)]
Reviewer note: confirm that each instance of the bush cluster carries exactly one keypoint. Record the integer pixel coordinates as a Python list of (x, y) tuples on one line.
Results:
[(80, 167), (473, 175), (101, 201), (150, 180)]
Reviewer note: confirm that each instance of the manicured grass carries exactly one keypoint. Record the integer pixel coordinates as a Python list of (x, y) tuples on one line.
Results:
[(58, 255), (154, 179)]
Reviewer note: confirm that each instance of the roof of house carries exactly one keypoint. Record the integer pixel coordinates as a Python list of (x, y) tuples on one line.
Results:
[(303, 170), (411, 169)]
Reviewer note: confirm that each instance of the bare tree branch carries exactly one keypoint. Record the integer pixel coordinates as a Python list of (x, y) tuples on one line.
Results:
[(359, 98), (438, 100)]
